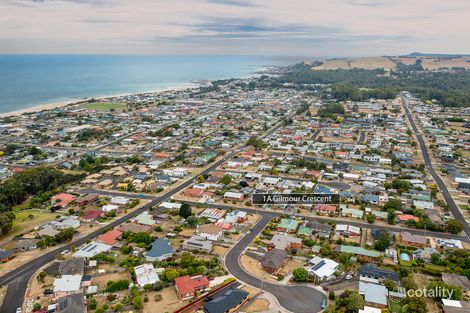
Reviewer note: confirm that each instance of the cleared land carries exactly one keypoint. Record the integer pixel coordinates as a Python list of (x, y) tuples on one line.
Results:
[(103, 106), (366, 63)]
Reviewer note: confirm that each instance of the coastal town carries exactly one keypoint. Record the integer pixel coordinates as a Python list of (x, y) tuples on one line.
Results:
[(144, 203)]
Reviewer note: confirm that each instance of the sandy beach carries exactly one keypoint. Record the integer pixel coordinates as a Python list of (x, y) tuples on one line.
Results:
[(60, 104)]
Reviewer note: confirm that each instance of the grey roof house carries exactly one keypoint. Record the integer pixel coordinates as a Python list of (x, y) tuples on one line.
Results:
[(161, 250)]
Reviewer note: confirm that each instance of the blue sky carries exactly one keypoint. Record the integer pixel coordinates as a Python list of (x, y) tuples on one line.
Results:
[(247, 27)]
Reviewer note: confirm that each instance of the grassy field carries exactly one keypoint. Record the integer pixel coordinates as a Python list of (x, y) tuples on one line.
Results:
[(103, 106), (26, 220)]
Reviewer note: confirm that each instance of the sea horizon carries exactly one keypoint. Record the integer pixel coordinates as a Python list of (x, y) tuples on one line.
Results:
[(34, 80)]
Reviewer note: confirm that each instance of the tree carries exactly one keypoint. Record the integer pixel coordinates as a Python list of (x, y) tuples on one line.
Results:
[(371, 218), (226, 179), (454, 226), (384, 241), (185, 210), (300, 274), (37, 307), (41, 277), (137, 303), (390, 284), (391, 217), (191, 220), (401, 185), (118, 307), (170, 274), (393, 204), (6, 222), (414, 305), (64, 235), (355, 302)]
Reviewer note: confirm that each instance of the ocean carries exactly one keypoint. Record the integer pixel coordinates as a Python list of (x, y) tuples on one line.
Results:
[(30, 80)]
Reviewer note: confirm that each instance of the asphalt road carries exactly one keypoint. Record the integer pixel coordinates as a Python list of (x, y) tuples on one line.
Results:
[(440, 183), (17, 280), (295, 298), (325, 219), (20, 276)]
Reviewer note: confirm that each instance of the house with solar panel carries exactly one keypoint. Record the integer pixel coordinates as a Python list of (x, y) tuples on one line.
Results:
[(323, 269)]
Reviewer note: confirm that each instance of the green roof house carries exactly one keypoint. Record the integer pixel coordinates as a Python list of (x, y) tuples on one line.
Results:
[(288, 225)]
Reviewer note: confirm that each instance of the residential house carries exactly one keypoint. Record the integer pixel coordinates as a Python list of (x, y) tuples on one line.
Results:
[(74, 303), (146, 274), (413, 240), (92, 249), (325, 209), (86, 200), (210, 232), (67, 285), (273, 260), (61, 200), (424, 254), (372, 273), (109, 237), (188, 286), (323, 269), (197, 243), (374, 295), (370, 255), (229, 301), (25, 244), (161, 250), (288, 225), (285, 242), (74, 266), (6, 255)]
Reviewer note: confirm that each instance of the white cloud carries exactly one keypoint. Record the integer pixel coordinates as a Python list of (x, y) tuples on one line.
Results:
[(273, 27)]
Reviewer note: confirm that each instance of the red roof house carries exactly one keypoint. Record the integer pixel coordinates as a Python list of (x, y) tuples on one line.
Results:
[(91, 215), (109, 237), (406, 217), (325, 208), (62, 199), (194, 192), (187, 286)]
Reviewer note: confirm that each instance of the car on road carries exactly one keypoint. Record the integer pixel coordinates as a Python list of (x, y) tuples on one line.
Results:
[(348, 277), (18, 310), (65, 251), (323, 304)]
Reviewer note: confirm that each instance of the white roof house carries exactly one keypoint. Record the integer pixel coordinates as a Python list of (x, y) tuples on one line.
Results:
[(68, 283), (119, 200), (146, 275), (92, 249), (170, 205), (109, 207), (324, 269)]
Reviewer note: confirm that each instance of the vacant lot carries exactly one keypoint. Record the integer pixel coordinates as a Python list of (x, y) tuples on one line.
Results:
[(259, 305), (101, 281), (103, 106), (163, 301)]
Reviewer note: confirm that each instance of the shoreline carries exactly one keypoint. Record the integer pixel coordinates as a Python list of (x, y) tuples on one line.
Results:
[(65, 103)]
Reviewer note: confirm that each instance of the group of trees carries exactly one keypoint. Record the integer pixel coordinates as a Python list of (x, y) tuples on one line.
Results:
[(331, 109), (29, 182), (190, 265), (448, 88), (256, 143), (346, 91)]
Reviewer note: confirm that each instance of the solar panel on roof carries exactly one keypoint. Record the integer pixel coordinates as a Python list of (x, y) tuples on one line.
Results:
[(319, 265), (195, 243)]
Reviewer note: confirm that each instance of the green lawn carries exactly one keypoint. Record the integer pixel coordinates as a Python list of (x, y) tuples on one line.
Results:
[(104, 106), (27, 220)]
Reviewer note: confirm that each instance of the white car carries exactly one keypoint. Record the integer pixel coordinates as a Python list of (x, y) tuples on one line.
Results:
[(348, 277), (18, 310)]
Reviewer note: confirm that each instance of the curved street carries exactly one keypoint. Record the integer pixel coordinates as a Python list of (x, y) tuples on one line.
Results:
[(294, 298)]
